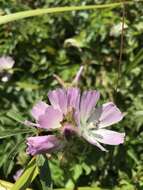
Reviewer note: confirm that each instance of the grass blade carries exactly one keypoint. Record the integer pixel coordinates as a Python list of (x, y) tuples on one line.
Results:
[(30, 13)]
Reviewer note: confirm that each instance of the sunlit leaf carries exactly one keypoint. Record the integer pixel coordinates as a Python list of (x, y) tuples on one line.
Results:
[(5, 185), (27, 86), (37, 12), (27, 177)]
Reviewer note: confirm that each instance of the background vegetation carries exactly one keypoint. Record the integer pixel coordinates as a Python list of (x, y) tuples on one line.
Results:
[(60, 43)]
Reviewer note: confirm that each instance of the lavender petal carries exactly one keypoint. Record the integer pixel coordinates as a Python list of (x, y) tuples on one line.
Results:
[(88, 102), (110, 115), (42, 144), (50, 119), (39, 109)]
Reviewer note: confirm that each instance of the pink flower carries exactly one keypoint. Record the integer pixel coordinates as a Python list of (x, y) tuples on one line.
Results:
[(42, 144), (63, 103), (92, 122), (75, 113), (50, 117), (72, 112)]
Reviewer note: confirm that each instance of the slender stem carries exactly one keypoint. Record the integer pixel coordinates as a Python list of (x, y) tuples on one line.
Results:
[(60, 81), (121, 51)]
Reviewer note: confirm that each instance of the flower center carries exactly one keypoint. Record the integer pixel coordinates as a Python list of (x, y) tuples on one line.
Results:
[(69, 117), (92, 128), (93, 125)]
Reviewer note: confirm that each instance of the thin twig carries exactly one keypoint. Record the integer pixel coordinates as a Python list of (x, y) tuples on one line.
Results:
[(60, 81), (121, 50)]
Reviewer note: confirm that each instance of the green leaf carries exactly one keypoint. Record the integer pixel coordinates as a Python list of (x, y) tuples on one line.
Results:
[(27, 177), (5, 185), (137, 60), (82, 188), (86, 168), (139, 113), (37, 12), (15, 149), (12, 132), (7, 167), (133, 155), (45, 173), (15, 115), (77, 171), (27, 86)]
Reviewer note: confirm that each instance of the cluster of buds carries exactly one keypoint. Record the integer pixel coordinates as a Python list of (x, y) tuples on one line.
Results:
[(72, 112)]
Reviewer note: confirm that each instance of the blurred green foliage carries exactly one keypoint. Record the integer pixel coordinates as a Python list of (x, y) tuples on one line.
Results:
[(60, 43)]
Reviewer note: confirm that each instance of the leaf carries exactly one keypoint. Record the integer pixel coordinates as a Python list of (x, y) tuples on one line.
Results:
[(27, 86), (139, 113), (15, 150), (86, 168), (137, 60), (12, 132), (37, 12), (15, 115), (45, 173), (4, 185), (77, 171), (27, 177), (7, 167), (8, 185), (133, 156), (82, 188)]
